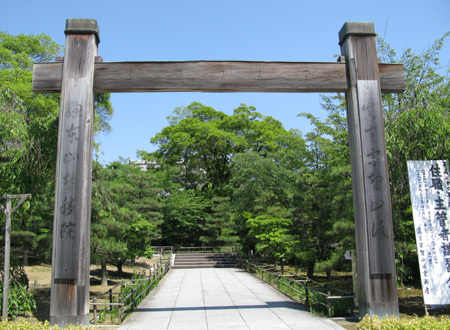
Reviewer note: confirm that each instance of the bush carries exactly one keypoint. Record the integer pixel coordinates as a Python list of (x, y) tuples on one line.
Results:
[(393, 323), (25, 325), (138, 285), (20, 300)]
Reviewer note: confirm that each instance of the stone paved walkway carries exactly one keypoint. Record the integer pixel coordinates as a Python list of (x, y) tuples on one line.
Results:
[(220, 298)]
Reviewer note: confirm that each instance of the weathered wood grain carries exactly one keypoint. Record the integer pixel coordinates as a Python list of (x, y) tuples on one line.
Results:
[(377, 289), (217, 76), (71, 231)]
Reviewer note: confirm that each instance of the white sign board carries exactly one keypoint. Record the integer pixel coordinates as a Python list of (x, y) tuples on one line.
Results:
[(429, 185)]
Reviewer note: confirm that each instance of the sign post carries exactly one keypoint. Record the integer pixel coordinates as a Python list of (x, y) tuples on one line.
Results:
[(8, 211), (69, 301), (377, 282)]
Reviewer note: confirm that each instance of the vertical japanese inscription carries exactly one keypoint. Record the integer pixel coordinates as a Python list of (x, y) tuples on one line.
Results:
[(429, 186), (69, 203), (439, 188), (376, 187), (69, 301)]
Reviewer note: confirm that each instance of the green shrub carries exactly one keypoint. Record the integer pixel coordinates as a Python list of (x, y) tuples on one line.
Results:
[(393, 323), (341, 307), (20, 300), (138, 284), (318, 303), (25, 325)]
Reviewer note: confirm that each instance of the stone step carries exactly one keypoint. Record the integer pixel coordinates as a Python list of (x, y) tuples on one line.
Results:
[(206, 254), (204, 266), (205, 260)]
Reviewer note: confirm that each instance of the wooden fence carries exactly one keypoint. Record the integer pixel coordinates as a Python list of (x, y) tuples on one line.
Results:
[(318, 297), (122, 299)]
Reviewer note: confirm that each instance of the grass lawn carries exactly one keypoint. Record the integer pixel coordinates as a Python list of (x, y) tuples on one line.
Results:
[(39, 277)]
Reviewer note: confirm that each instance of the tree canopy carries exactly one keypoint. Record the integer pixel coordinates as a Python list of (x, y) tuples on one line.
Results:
[(28, 136)]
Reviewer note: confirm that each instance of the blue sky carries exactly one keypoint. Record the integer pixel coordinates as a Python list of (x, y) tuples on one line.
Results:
[(282, 30)]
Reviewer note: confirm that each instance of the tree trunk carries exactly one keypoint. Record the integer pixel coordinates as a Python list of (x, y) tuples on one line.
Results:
[(119, 268), (104, 273), (310, 271), (328, 271), (25, 258)]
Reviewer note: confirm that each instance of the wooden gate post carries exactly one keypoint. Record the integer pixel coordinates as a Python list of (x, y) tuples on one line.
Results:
[(69, 302), (371, 197)]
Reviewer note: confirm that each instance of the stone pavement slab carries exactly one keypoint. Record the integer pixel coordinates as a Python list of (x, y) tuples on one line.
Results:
[(220, 298)]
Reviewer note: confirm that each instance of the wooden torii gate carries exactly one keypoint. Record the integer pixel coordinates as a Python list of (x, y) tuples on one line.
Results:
[(82, 73)]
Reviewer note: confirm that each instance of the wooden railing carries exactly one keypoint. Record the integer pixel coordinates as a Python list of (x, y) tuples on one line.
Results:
[(318, 297), (130, 293), (162, 250), (206, 249)]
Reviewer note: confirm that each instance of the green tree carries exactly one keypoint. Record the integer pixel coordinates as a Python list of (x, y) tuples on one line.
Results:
[(261, 182), (272, 236), (13, 135), (126, 213), (184, 218), (417, 128), (139, 190), (29, 126), (200, 143), (323, 219), (219, 228), (324, 208), (28, 136), (195, 142)]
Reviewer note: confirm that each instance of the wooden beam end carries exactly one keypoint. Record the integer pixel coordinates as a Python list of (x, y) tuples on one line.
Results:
[(356, 28), (82, 26)]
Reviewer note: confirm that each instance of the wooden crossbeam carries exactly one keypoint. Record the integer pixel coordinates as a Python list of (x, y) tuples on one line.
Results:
[(217, 76), (22, 197)]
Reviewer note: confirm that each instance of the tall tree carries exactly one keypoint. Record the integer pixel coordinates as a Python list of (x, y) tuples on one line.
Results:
[(272, 236), (29, 135), (417, 128), (185, 216), (126, 213), (201, 143), (219, 228), (323, 212)]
